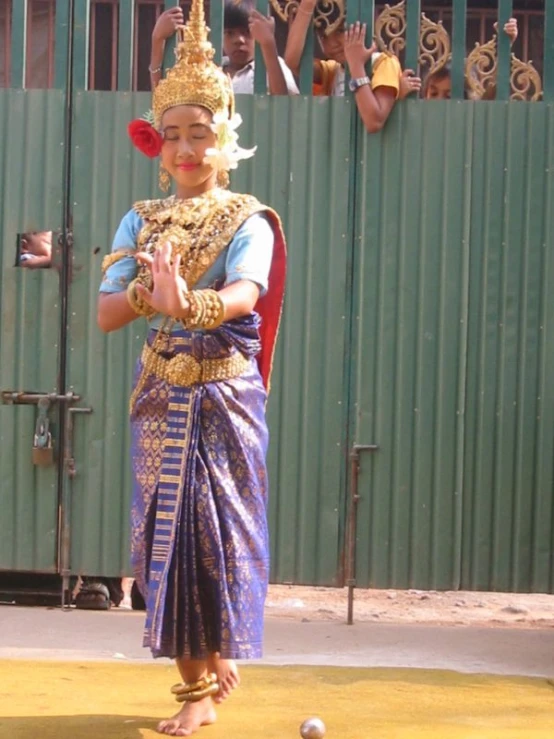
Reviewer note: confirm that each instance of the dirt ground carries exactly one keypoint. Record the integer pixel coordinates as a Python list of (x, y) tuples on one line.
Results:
[(412, 606)]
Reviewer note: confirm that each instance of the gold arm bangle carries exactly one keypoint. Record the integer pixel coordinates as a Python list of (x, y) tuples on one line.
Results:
[(207, 310), (139, 306)]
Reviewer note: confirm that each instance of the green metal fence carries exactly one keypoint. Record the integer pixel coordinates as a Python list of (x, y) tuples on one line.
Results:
[(418, 321)]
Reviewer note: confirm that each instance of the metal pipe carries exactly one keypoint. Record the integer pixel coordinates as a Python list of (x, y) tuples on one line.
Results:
[(65, 241), (65, 510), (353, 523)]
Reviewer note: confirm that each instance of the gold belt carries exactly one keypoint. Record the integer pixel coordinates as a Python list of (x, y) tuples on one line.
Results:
[(184, 370)]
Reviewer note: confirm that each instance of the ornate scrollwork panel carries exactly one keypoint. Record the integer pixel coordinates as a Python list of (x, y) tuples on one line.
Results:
[(390, 28), (525, 81), (328, 16), (434, 44), (481, 65)]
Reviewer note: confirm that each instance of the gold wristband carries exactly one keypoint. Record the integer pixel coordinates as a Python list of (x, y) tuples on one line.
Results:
[(139, 306), (206, 310)]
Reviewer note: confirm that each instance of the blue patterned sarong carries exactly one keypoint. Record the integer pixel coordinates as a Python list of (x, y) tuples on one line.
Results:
[(199, 516)]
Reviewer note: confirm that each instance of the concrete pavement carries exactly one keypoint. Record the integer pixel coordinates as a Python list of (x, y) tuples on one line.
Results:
[(48, 633)]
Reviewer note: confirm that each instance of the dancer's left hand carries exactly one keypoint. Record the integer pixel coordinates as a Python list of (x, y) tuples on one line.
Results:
[(168, 294)]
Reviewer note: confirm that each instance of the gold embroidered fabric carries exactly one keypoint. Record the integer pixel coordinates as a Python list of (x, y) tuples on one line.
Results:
[(115, 256), (198, 229), (184, 370)]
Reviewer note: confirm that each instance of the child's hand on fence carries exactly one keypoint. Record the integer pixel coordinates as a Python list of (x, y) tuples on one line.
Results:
[(409, 84), (167, 23), (356, 53), (262, 29), (510, 29)]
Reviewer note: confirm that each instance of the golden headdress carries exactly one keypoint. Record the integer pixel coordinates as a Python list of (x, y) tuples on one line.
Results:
[(195, 79)]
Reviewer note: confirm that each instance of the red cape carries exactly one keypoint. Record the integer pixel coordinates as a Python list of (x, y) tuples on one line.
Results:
[(270, 307)]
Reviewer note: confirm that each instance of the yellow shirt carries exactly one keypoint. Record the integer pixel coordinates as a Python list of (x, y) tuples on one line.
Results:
[(386, 72)]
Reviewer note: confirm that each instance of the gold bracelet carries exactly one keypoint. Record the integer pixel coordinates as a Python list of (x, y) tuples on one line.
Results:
[(139, 306), (206, 310)]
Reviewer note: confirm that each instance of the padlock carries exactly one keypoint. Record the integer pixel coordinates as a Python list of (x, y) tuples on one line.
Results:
[(43, 449), (43, 455)]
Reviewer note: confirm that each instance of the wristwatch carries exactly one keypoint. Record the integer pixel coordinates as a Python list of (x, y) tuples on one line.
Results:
[(355, 84)]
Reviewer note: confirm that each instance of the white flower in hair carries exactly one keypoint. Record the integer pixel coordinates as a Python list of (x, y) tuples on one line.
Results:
[(229, 154)]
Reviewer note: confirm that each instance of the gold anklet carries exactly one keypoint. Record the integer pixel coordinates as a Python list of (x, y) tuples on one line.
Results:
[(197, 691)]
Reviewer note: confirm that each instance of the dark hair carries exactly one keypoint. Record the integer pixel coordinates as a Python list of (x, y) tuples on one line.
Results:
[(438, 74), (237, 13), (443, 72)]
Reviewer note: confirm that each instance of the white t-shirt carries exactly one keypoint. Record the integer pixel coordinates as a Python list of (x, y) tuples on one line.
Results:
[(243, 80)]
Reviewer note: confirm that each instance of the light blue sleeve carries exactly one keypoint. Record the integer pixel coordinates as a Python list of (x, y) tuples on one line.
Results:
[(250, 252), (120, 274)]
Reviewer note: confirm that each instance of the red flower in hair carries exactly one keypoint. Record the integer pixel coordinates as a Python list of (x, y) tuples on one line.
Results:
[(145, 137)]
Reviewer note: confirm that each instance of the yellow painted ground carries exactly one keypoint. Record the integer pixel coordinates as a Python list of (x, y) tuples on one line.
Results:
[(52, 700)]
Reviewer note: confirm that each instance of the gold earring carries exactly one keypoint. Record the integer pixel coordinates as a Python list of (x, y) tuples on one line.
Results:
[(223, 178), (163, 179)]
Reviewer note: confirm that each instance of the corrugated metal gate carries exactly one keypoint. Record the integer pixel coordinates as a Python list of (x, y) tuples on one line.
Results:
[(453, 349), (418, 319)]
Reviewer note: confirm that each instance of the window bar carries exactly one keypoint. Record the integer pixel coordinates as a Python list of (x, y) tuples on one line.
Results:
[(169, 53), (115, 46), (353, 15), (5, 81), (29, 45), (19, 46), (81, 40), (61, 44), (217, 11), (125, 47), (413, 15), (260, 74), (92, 60), (548, 66), (458, 48), (51, 42), (352, 12), (367, 16), (525, 37), (504, 51), (306, 76)]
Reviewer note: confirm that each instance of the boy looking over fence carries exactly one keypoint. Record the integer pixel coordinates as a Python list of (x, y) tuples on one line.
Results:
[(375, 92), (243, 28)]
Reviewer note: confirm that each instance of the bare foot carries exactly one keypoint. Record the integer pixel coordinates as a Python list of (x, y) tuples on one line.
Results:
[(189, 719), (227, 675)]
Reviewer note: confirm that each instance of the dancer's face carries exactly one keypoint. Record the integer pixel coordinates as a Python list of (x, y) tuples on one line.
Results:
[(187, 134)]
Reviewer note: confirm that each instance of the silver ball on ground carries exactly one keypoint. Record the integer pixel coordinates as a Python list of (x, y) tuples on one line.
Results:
[(312, 728)]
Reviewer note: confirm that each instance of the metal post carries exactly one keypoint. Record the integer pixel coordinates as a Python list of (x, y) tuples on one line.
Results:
[(548, 65), (413, 16), (353, 523), (126, 50), (260, 73), (504, 52), (65, 509), (19, 45), (217, 13), (459, 19)]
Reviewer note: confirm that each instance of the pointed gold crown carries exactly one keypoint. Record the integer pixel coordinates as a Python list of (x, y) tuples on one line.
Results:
[(194, 79)]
